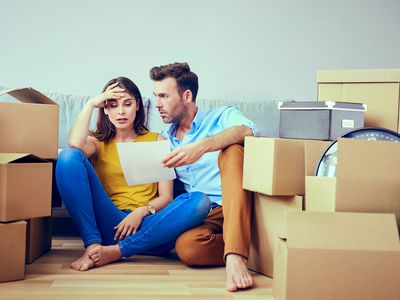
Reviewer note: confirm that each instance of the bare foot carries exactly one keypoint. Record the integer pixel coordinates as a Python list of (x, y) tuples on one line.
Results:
[(102, 255), (237, 275), (84, 263)]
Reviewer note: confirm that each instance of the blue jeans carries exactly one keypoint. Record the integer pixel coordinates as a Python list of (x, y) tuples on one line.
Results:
[(95, 215)]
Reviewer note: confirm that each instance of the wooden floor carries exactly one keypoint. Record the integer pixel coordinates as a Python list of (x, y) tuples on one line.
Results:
[(141, 277)]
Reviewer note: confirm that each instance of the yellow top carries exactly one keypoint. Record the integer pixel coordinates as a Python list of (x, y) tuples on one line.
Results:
[(109, 171)]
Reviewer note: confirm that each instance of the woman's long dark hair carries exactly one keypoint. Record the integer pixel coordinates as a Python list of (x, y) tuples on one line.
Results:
[(105, 130)]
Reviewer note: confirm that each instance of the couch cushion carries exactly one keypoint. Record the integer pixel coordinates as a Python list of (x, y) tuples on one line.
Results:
[(70, 107), (263, 113)]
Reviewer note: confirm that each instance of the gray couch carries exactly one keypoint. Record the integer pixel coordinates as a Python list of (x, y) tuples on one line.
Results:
[(263, 113)]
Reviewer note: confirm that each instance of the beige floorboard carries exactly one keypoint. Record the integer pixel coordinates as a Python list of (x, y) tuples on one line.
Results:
[(140, 277)]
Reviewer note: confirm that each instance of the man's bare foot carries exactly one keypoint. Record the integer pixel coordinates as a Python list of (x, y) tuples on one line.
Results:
[(102, 255), (237, 275), (84, 263)]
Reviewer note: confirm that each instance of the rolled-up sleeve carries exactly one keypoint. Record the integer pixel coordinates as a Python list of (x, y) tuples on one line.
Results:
[(232, 116)]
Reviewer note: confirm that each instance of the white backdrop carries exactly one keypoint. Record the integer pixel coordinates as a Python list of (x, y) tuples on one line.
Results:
[(240, 49)]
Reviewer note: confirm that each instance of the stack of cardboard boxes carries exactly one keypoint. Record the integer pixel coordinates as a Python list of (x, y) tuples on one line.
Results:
[(275, 169), (329, 237), (29, 137), (342, 252)]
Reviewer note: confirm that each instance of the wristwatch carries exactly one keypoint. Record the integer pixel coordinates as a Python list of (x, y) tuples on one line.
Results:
[(150, 209)]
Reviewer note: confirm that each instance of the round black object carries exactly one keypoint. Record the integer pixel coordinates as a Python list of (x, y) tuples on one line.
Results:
[(328, 162)]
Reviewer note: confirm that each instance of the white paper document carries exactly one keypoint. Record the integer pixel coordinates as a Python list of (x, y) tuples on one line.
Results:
[(141, 162)]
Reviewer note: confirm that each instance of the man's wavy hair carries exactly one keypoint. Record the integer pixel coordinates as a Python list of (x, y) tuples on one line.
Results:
[(105, 130), (185, 79)]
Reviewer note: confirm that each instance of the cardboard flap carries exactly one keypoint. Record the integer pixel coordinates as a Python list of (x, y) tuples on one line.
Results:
[(29, 95), (320, 193), (285, 170), (368, 159), (344, 231), (6, 158), (313, 151)]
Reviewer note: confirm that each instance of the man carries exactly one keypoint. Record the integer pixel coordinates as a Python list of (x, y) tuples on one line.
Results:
[(196, 138)]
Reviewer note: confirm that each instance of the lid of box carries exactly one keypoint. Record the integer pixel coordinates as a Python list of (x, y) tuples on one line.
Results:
[(342, 231), (6, 158), (368, 159), (28, 95), (374, 75), (319, 105)]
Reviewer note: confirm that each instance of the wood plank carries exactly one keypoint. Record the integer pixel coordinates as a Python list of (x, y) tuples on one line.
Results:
[(143, 277)]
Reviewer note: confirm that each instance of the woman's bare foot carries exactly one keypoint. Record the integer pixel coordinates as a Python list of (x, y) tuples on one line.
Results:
[(84, 263), (102, 255), (237, 275)]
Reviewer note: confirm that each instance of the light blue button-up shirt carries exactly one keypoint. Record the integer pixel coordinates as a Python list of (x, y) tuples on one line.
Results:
[(203, 175)]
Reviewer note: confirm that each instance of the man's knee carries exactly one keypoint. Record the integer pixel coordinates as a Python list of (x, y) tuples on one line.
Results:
[(186, 247), (232, 154), (232, 151)]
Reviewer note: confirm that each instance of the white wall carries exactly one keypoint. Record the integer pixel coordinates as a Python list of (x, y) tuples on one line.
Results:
[(240, 49)]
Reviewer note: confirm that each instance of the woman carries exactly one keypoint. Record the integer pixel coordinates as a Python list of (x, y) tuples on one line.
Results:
[(116, 220)]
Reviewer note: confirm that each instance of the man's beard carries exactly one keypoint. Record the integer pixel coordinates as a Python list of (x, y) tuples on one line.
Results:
[(178, 116)]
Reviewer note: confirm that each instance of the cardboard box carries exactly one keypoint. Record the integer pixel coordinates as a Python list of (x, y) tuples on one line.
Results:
[(313, 152), (273, 167), (30, 126), (379, 89), (368, 180), (338, 256), (277, 167), (25, 182), (38, 238), (268, 221), (319, 120), (12, 251)]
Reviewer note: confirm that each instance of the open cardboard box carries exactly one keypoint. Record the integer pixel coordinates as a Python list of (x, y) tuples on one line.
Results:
[(30, 126), (367, 180), (25, 182), (268, 222), (337, 256), (277, 167)]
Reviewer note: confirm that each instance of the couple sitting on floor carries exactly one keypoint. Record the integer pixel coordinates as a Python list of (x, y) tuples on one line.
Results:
[(209, 224)]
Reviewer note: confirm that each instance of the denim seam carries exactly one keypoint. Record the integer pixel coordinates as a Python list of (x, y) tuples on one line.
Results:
[(122, 248), (94, 235), (92, 241)]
